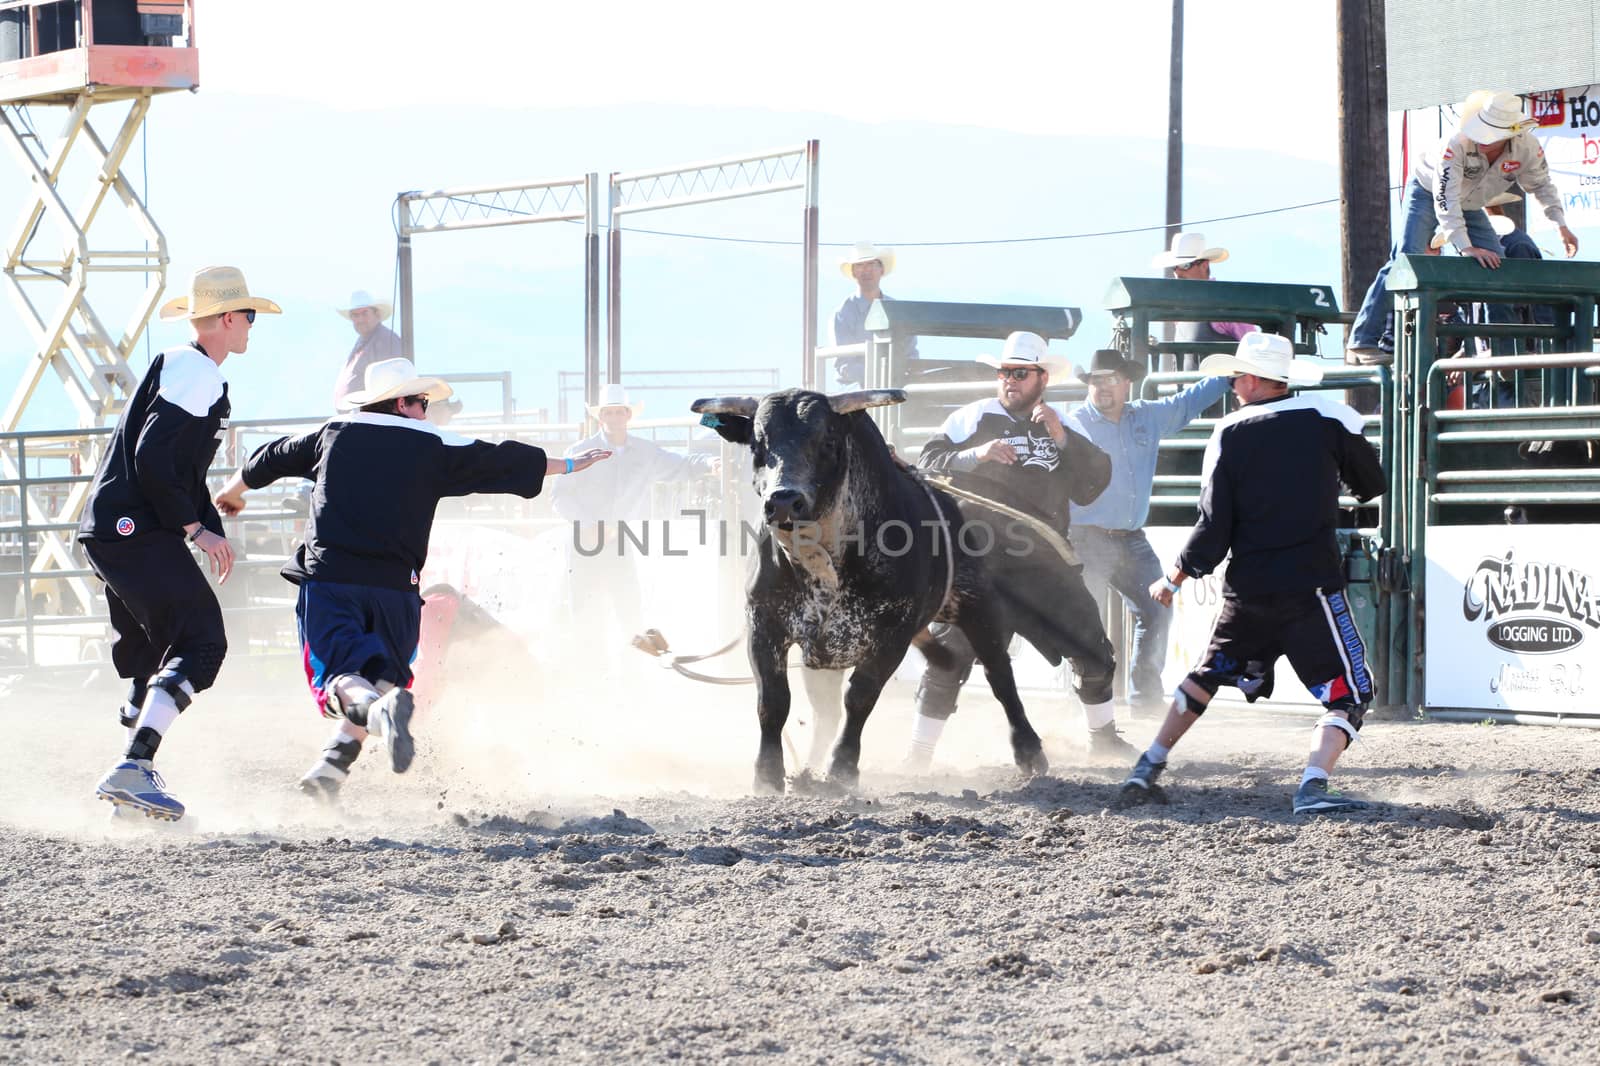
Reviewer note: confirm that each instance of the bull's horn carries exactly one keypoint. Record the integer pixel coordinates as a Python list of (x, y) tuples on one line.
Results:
[(860, 400), (726, 405)]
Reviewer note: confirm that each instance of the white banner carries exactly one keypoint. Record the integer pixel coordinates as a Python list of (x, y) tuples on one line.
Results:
[(1194, 614), (1569, 131), (1513, 618)]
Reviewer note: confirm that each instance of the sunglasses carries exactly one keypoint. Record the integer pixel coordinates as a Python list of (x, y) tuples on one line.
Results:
[(1016, 373), (249, 315), (420, 401)]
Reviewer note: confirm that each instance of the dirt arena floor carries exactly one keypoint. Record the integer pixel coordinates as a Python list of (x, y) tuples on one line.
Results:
[(581, 875)]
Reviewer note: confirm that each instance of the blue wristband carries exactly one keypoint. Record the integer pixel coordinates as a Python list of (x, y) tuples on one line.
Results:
[(569, 466)]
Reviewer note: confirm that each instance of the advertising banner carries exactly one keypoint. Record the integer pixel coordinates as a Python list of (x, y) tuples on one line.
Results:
[(1513, 618), (1569, 131)]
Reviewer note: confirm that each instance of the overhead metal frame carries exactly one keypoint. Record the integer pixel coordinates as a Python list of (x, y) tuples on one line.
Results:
[(778, 170), (48, 259), (494, 206)]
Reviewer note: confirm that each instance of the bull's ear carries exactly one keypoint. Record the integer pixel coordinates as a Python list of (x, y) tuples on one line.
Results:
[(731, 416), (846, 402)]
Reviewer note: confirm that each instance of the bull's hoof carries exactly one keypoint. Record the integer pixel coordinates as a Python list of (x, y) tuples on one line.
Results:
[(1032, 763), (767, 786), (845, 775)]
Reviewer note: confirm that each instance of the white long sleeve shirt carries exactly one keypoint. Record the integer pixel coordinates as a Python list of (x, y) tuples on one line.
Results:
[(1460, 179)]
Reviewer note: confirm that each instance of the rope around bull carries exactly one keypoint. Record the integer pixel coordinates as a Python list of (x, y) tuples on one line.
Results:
[(653, 643)]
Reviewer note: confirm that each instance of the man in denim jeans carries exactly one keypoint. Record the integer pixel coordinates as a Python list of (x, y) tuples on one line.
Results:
[(1109, 532), (1449, 186)]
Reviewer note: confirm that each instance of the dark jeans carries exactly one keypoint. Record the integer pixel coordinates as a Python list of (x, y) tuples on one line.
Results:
[(1125, 562)]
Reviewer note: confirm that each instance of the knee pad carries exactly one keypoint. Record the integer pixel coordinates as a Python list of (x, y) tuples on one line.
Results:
[(1350, 728), (1190, 704), (174, 684), (348, 696), (1094, 687), (199, 664)]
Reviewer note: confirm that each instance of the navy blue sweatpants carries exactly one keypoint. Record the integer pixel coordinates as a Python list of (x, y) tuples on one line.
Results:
[(356, 629)]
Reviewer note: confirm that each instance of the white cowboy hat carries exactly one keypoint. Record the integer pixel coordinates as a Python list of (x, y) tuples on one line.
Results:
[(389, 379), (1027, 349), (1266, 355), (1501, 224), (866, 252), (614, 395), (1186, 248), (362, 298), (1501, 199), (1498, 118), (214, 290)]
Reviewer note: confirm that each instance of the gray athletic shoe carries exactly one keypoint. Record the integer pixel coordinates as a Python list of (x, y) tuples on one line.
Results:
[(390, 718), (1141, 787), (132, 783), (1315, 797)]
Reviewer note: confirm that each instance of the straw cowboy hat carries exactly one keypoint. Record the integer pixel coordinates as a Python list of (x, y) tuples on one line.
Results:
[(614, 395), (390, 379), (1499, 117), (1186, 248), (214, 290), (1111, 361), (866, 252), (1266, 355), (362, 298), (1026, 349)]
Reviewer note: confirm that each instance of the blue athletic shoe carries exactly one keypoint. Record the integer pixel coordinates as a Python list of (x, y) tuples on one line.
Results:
[(1315, 797), (390, 718), (1141, 787), (132, 783)]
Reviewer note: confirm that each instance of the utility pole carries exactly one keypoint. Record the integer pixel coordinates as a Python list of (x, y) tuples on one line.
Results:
[(1174, 155), (1363, 146), (1175, 128)]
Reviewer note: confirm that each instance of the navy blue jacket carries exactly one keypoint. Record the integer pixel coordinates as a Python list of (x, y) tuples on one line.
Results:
[(1269, 492), (1044, 481), (378, 480), (153, 476)]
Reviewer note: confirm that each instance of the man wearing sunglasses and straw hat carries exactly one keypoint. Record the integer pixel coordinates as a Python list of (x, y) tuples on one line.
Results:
[(1491, 150), (866, 265), (1014, 448), (379, 472), (148, 503), (1269, 496)]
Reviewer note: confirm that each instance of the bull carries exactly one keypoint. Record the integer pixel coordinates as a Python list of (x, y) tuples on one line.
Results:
[(856, 557)]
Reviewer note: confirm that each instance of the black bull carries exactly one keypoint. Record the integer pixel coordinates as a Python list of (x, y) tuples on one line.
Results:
[(857, 556)]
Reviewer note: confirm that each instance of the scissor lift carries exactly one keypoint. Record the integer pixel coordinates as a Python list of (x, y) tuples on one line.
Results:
[(53, 61)]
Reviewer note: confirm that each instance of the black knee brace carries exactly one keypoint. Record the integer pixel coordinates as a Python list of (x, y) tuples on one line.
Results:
[(341, 752), (1093, 687), (175, 685)]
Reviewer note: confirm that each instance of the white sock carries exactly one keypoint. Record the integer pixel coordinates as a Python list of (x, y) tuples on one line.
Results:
[(160, 711), (1157, 752), (1099, 714), (925, 733), (1313, 773)]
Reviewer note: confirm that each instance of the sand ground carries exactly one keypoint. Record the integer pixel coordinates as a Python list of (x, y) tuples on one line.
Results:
[(580, 874)]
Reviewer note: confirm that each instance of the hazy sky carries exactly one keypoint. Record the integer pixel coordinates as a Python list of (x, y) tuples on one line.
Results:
[(1253, 67)]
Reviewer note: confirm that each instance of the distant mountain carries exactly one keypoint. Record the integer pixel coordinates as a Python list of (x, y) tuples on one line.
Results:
[(304, 195)]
